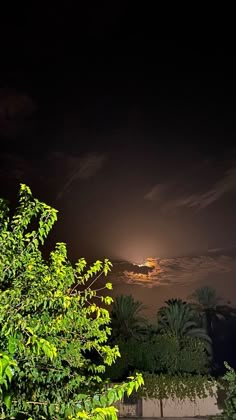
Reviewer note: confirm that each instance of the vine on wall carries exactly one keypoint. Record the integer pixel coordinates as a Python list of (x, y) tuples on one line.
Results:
[(180, 387)]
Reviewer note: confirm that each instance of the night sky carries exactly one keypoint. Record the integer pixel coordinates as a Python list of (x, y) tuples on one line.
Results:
[(130, 133)]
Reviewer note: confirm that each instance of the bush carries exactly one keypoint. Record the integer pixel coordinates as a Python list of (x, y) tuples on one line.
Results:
[(162, 353), (229, 379)]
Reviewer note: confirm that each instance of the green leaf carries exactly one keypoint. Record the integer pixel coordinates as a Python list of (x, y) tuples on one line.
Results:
[(7, 401)]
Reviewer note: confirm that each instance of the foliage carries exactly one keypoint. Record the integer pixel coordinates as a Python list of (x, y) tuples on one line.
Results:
[(126, 319), (179, 318), (162, 354), (219, 320), (206, 296), (179, 386), (101, 406), (53, 335), (180, 354), (229, 379), (207, 304)]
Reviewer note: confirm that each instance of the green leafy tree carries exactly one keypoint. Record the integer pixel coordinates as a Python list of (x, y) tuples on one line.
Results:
[(162, 354), (184, 354), (126, 318), (53, 335), (179, 319), (229, 386)]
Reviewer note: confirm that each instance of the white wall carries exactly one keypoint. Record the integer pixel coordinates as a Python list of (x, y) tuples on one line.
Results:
[(187, 408), (126, 410), (175, 408), (151, 408)]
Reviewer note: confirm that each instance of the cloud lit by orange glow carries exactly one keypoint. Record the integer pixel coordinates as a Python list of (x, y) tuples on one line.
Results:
[(174, 271), (144, 278)]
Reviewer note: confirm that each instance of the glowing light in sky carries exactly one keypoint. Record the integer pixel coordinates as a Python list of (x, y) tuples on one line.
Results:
[(150, 262)]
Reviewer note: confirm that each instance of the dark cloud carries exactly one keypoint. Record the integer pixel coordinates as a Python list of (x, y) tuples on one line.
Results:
[(219, 189), (174, 271), (81, 168), (57, 167), (16, 168), (15, 108), (156, 192), (134, 268), (161, 193), (215, 250)]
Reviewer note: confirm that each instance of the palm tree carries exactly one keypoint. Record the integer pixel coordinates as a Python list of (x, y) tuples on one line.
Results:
[(207, 303), (179, 319), (207, 297), (126, 319)]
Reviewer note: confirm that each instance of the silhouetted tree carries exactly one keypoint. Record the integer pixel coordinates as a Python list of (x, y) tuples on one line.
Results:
[(179, 319), (126, 318), (207, 303)]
